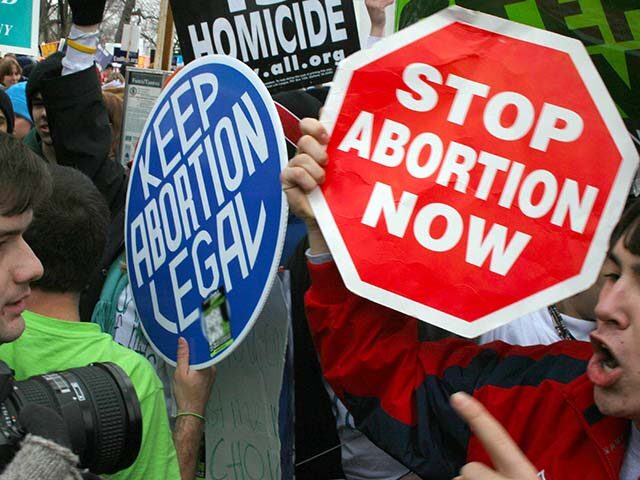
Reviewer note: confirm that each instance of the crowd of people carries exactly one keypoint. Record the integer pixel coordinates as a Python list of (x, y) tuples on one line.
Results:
[(553, 395)]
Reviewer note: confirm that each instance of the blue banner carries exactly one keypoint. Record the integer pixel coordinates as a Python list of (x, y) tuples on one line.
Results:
[(205, 213)]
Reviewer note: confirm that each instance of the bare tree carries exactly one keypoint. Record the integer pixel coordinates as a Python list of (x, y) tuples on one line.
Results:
[(143, 13), (125, 18), (55, 19)]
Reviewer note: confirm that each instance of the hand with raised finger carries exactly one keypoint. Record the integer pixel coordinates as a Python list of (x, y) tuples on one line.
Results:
[(509, 461)]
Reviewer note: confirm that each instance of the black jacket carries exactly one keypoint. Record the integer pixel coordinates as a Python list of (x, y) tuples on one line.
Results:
[(81, 134)]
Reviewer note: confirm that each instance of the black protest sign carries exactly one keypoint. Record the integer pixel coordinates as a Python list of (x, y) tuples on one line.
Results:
[(288, 43)]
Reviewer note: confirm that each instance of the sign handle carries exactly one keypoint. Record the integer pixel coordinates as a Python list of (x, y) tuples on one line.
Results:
[(164, 39)]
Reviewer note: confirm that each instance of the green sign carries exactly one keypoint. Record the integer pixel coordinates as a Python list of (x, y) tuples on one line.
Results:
[(19, 23), (610, 30)]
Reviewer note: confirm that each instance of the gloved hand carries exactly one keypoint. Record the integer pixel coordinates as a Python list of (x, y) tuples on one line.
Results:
[(87, 12), (44, 422)]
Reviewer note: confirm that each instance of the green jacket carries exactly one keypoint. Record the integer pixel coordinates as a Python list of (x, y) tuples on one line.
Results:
[(49, 344), (32, 140)]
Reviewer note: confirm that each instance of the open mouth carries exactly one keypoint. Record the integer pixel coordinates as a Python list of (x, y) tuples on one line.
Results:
[(608, 360), (604, 368)]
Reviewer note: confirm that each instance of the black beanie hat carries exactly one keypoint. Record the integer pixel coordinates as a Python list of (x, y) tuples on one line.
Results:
[(302, 105), (7, 109), (50, 67)]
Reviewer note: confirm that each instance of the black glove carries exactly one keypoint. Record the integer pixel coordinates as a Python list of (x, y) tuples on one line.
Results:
[(44, 422), (87, 12)]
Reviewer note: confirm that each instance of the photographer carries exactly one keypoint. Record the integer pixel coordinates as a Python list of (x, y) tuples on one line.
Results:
[(24, 183), (68, 235)]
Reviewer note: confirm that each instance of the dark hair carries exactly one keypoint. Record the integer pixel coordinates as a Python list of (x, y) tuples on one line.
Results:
[(627, 228), (68, 232), (7, 108), (24, 177)]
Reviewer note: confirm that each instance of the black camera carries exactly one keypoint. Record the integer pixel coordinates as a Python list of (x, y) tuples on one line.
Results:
[(99, 407)]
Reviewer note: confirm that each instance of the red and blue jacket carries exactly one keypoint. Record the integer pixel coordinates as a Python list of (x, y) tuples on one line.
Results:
[(397, 389)]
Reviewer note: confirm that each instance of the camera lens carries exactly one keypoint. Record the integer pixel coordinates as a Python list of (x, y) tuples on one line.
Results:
[(100, 408)]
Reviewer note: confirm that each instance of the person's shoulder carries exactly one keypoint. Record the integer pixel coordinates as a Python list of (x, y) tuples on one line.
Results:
[(138, 368), (31, 141)]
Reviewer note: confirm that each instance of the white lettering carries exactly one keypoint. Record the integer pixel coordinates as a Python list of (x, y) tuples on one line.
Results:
[(549, 185), (479, 246), (547, 127), (452, 232), (359, 135), (164, 140), (381, 202), (570, 203), (182, 116), (450, 166), (389, 150), (252, 243), (210, 264), (228, 253), (180, 291), (427, 97), (435, 155), (493, 115), (252, 137), (466, 90)]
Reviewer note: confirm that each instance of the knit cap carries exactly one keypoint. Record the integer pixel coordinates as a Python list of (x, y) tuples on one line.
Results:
[(19, 100), (47, 69), (7, 109)]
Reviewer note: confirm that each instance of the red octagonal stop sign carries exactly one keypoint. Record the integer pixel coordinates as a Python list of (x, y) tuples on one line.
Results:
[(477, 168)]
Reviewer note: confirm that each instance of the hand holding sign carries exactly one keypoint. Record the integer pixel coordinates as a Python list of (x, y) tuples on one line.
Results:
[(191, 388), (463, 170), (303, 174), (205, 211), (510, 462), (305, 171)]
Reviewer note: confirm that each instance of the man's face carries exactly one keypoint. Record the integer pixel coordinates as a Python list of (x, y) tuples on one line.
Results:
[(3, 122), (614, 367), (39, 115), (18, 267)]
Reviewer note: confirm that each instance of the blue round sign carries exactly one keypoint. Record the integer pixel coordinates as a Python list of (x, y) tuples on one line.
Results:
[(206, 215)]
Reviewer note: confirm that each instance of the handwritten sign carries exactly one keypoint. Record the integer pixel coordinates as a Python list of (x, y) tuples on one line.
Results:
[(242, 435)]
